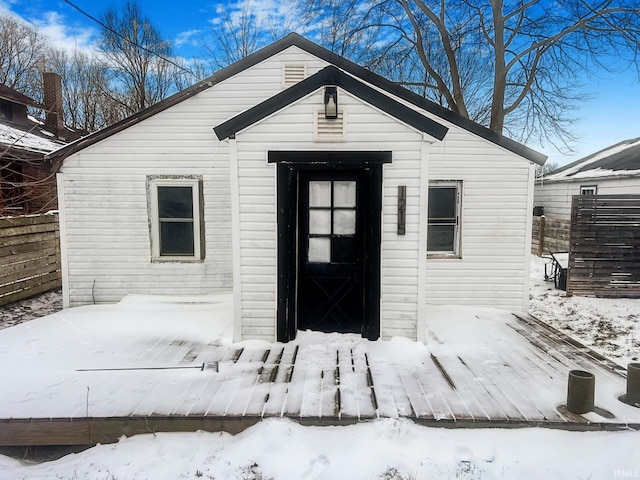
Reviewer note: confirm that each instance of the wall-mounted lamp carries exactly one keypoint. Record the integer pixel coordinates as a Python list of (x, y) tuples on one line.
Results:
[(331, 102)]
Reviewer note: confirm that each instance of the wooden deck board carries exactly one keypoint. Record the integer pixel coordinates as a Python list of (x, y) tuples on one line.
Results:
[(521, 383)]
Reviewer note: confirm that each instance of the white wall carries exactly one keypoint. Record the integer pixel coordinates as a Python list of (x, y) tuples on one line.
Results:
[(555, 196), (105, 202), (292, 129), (493, 268)]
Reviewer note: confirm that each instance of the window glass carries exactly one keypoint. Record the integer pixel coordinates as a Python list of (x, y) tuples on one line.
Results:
[(442, 202), (175, 202), (443, 215), (176, 219), (440, 238), (319, 222), (319, 194), (344, 194), (344, 222), (176, 238), (319, 250)]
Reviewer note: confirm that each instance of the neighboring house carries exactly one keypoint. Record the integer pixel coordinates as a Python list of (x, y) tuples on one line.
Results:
[(327, 197), (27, 184), (612, 171)]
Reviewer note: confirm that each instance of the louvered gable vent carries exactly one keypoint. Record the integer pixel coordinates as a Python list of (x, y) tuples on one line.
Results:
[(330, 130), (293, 73)]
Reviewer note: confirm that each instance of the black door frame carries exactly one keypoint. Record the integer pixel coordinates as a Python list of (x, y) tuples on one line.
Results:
[(288, 165)]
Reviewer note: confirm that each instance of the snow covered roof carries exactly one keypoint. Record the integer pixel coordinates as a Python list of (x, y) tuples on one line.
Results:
[(21, 139), (621, 159)]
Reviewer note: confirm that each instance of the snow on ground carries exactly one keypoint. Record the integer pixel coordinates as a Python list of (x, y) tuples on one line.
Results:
[(384, 449), (30, 308), (609, 326)]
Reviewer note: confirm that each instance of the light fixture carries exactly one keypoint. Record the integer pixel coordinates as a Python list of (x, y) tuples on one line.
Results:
[(331, 102)]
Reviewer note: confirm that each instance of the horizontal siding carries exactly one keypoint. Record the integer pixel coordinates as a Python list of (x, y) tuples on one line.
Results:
[(556, 197), (108, 244), (108, 240), (494, 218), (292, 129)]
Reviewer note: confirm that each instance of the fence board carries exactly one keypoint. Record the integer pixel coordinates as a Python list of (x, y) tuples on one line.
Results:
[(604, 249), (549, 235), (29, 256)]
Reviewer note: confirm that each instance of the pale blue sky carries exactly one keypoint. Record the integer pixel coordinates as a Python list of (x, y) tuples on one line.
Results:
[(609, 117)]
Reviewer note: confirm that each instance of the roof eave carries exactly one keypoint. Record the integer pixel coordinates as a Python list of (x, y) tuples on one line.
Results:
[(331, 76)]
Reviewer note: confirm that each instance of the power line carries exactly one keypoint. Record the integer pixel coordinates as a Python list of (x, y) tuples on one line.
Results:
[(106, 27)]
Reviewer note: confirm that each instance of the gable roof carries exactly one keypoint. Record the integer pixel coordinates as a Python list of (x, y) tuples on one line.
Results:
[(293, 39), (621, 159), (331, 76), (8, 93)]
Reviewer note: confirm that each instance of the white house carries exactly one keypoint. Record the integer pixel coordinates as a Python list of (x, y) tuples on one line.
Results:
[(325, 196), (612, 171)]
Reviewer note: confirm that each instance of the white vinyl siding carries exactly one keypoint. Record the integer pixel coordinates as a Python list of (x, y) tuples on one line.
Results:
[(107, 239), (493, 268), (555, 196), (293, 129)]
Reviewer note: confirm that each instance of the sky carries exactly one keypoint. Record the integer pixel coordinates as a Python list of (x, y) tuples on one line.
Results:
[(609, 117)]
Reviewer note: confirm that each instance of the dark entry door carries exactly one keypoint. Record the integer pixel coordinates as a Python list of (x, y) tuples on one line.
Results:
[(331, 249)]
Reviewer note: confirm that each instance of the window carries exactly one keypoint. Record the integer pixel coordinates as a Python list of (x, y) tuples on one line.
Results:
[(332, 221), (588, 189), (443, 226), (176, 219)]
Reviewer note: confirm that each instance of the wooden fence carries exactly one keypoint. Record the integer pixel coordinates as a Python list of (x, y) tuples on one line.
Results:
[(549, 235), (604, 253), (29, 256)]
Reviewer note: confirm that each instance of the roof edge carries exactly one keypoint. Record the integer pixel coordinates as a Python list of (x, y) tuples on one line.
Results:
[(294, 39), (330, 75)]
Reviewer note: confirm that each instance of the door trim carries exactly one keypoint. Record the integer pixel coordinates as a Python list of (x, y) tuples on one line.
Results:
[(289, 163)]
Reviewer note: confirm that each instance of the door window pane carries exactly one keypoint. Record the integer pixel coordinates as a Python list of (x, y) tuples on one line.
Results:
[(319, 250), (344, 194), (344, 222), (319, 193), (319, 222)]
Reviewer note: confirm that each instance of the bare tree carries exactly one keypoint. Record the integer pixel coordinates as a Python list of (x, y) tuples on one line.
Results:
[(236, 34), (22, 50), (85, 89), (514, 66), (138, 57)]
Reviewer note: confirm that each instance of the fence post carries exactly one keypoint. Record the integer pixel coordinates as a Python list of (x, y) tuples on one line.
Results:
[(541, 237)]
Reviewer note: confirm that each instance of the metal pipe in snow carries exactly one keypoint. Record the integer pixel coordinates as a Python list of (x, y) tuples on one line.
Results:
[(204, 366)]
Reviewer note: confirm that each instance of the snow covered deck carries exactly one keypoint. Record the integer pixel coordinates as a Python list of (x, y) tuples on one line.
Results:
[(479, 368)]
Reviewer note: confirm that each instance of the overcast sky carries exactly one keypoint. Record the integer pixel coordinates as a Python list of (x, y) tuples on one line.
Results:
[(609, 117)]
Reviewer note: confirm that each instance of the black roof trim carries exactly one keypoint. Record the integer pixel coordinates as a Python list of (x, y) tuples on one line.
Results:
[(335, 157), (293, 39), (176, 98), (432, 107), (331, 76)]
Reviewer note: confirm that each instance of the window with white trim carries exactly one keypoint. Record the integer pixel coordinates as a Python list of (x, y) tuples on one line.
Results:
[(176, 218), (443, 224), (588, 189)]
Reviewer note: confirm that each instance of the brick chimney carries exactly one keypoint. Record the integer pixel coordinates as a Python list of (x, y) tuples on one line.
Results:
[(52, 84)]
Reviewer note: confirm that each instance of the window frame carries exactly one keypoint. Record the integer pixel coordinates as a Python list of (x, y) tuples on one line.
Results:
[(584, 188), (195, 183), (456, 253)]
